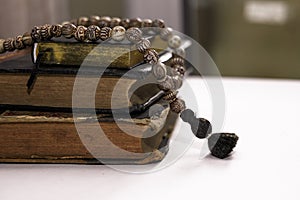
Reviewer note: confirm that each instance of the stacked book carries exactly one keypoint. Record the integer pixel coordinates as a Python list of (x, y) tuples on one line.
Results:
[(37, 120)]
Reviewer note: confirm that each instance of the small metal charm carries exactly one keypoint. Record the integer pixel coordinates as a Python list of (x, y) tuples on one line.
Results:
[(93, 33), (143, 45), (56, 30), (105, 33), (134, 34), (151, 56)]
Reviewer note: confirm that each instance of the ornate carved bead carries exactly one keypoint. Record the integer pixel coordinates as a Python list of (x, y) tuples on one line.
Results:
[(56, 30), (27, 39), (9, 44), (143, 45), (118, 33), (94, 20), (171, 96), (166, 33), (146, 23), (174, 42), (104, 21), (137, 22), (18, 42), (179, 52), (68, 30), (125, 23), (105, 33), (115, 21), (36, 34), (45, 32), (93, 33), (151, 56), (80, 33), (159, 23), (134, 34), (179, 69), (159, 70), (2, 50), (176, 61), (83, 21), (177, 106)]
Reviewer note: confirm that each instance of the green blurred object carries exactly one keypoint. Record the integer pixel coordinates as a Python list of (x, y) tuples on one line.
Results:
[(249, 38)]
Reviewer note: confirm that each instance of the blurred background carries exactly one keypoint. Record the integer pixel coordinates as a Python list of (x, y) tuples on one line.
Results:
[(245, 38)]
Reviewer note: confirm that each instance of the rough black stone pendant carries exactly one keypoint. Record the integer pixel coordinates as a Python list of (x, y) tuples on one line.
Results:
[(219, 144)]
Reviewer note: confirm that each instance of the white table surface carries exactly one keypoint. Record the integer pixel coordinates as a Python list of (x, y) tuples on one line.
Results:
[(265, 165)]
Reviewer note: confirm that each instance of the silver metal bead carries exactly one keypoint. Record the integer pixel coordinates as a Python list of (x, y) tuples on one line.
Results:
[(159, 23), (2, 50), (118, 33), (104, 21), (93, 33), (137, 22), (36, 34), (177, 106), (18, 42), (115, 21), (167, 84), (177, 82), (45, 32), (27, 39), (151, 56), (83, 21), (68, 30), (134, 34), (180, 52), (80, 33), (177, 61), (143, 45), (174, 42), (105, 33), (56, 30), (159, 71), (94, 20), (146, 23), (166, 33), (125, 23), (9, 44), (179, 70)]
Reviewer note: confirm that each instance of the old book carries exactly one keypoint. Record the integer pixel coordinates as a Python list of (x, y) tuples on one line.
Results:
[(36, 137)]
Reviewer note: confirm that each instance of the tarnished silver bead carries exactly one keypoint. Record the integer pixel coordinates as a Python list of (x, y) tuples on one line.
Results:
[(171, 96), (166, 33), (83, 21), (18, 42), (177, 61), (105, 33), (2, 50), (45, 32), (93, 33), (174, 42), (134, 34), (115, 21), (136, 22), (177, 106), (9, 44), (80, 33), (118, 33), (159, 23), (143, 45), (179, 69), (151, 56), (125, 23), (94, 20), (36, 34), (146, 23), (104, 21), (180, 52), (68, 30), (27, 39), (56, 30), (159, 71)]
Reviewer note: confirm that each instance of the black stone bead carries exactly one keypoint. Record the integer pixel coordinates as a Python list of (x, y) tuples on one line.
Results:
[(222, 144)]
